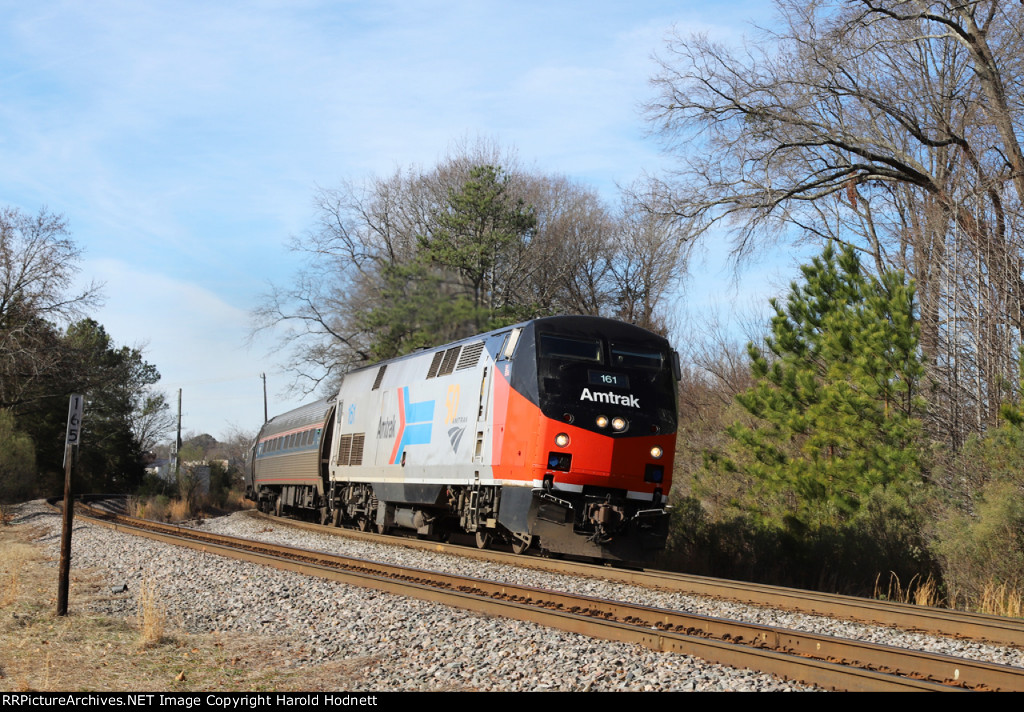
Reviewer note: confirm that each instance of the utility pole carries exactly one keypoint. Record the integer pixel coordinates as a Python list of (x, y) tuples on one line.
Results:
[(177, 444), (264, 377)]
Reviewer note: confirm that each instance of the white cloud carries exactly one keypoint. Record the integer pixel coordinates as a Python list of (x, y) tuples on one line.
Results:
[(196, 340)]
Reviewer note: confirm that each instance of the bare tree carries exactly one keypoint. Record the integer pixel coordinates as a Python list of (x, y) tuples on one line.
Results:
[(385, 262), (648, 263), (892, 126), (38, 265), (152, 419), (567, 268)]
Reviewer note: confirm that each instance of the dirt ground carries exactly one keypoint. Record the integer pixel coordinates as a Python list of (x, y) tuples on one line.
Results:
[(89, 652)]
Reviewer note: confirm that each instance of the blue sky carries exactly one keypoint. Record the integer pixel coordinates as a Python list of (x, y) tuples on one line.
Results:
[(183, 141)]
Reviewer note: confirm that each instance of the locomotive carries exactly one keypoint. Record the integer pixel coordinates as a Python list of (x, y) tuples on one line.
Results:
[(556, 433)]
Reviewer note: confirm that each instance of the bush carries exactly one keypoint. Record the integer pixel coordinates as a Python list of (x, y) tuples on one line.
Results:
[(983, 551), (17, 461), (883, 539)]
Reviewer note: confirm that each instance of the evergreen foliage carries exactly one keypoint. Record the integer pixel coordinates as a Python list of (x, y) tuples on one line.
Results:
[(453, 287), (836, 405), (979, 533), (418, 306), (478, 232), (17, 460), (473, 243), (115, 382)]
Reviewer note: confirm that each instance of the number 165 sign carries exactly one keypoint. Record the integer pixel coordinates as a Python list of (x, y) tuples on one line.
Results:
[(74, 420)]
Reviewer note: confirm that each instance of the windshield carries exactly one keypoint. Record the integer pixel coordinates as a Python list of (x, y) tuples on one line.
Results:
[(634, 357), (574, 349)]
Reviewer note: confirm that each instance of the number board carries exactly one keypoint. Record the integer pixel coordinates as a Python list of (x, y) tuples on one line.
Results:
[(603, 378)]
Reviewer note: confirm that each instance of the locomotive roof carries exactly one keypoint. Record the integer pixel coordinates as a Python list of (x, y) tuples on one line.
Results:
[(316, 412), (567, 324)]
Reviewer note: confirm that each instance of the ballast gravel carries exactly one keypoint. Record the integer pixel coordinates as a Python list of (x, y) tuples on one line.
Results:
[(244, 526), (418, 645)]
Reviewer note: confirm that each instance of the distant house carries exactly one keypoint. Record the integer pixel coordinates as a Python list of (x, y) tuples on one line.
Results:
[(161, 467)]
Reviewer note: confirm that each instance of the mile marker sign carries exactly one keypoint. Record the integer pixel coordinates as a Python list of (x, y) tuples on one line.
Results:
[(75, 406)]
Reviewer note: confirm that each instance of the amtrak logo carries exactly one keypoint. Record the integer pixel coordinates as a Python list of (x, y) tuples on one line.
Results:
[(455, 436), (610, 398), (414, 423), (386, 428)]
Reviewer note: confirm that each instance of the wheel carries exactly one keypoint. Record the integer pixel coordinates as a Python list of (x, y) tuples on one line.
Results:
[(483, 539), (278, 507), (381, 529), (363, 524), (519, 546), (325, 515)]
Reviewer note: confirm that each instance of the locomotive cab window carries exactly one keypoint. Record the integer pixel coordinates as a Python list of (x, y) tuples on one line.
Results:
[(562, 347), (636, 357)]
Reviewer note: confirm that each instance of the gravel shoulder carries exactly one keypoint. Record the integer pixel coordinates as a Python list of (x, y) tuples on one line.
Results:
[(240, 524), (335, 636), (321, 635)]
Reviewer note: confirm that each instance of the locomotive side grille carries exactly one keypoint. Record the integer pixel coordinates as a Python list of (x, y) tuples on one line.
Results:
[(470, 355), (356, 457), (450, 357), (380, 377), (344, 448), (435, 364)]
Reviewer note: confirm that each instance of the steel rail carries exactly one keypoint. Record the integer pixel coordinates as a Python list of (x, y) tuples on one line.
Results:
[(978, 627), (759, 647)]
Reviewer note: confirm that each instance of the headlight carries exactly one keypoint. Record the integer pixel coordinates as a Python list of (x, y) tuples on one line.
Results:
[(561, 440), (657, 452), (602, 421), (618, 424)]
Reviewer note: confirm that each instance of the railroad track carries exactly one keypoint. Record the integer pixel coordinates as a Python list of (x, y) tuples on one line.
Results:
[(811, 658), (944, 622)]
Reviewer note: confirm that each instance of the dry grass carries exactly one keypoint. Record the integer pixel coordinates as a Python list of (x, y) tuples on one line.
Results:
[(152, 619), (159, 509), (236, 501), (919, 592), (1001, 600), (178, 510), (136, 507), (164, 509), (85, 651), (14, 560), (154, 509)]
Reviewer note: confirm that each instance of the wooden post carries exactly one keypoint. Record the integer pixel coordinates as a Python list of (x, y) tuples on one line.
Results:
[(70, 449)]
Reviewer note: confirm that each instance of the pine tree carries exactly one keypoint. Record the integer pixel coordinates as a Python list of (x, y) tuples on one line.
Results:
[(478, 233), (836, 405), (418, 306), (454, 286)]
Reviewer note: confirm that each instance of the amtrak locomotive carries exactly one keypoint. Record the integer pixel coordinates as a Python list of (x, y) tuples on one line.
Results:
[(557, 433)]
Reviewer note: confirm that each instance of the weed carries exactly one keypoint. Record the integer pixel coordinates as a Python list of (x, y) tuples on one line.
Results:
[(136, 507), (1001, 600), (919, 591), (16, 557), (236, 500), (178, 510), (927, 593), (151, 615)]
